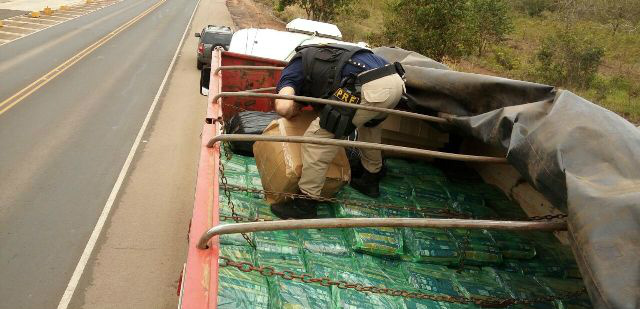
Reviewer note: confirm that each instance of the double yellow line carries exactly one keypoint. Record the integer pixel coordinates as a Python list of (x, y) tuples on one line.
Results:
[(46, 78)]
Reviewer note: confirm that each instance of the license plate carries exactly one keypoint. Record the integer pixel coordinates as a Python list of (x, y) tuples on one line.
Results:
[(346, 97)]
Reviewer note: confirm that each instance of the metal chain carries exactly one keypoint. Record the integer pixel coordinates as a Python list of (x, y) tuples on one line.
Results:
[(548, 217), (491, 302), (464, 245), (227, 193), (451, 214)]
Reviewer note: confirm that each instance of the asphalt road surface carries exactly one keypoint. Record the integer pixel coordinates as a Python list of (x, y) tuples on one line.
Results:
[(63, 146)]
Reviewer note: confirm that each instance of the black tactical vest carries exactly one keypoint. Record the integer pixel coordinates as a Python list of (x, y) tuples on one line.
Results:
[(322, 67)]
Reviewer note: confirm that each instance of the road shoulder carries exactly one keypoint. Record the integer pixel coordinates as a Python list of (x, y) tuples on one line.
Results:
[(142, 251)]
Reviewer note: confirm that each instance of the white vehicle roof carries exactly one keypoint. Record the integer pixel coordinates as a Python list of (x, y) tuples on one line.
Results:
[(314, 27), (274, 44)]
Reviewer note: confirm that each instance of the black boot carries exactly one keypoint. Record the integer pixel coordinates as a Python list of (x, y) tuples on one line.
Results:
[(367, 183), (299, 208)]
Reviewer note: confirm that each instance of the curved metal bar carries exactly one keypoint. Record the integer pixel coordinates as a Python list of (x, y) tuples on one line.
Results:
[(261, 89), (247, 67), (330, 102), (345, 143), (281, 225)]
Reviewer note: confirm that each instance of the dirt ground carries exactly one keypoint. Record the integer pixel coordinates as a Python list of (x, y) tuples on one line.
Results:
[(249, 14)]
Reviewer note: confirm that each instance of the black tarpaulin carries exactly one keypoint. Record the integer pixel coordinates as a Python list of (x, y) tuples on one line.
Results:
[(581, 157)]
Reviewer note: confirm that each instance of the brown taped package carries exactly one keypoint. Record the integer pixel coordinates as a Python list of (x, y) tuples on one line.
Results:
[(280, 164)]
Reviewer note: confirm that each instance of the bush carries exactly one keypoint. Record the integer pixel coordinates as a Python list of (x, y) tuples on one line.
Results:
[(489, 22), (568, 58), (435, 28), (533, 7), (506, 58)]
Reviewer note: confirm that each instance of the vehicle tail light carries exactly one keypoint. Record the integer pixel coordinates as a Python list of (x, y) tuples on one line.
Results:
[(201, 48)]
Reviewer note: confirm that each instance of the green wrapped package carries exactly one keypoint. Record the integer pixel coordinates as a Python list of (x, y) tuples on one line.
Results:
[(252, 168), (325, 241), (480, 249), (236, 164), (432, 199), (320, 265), (399, 167), (387, 272), (243, 205), (427, 245), (415, 303), (381, 241), (534, 267), (562, 288), (356, 211), (237, 289), (479, 284), (523, 287), (396, 186), (465, 202), (279, 249), (431, 279), (234, 178), (234, 239), (512, 245), (350, 298), (290, 294)]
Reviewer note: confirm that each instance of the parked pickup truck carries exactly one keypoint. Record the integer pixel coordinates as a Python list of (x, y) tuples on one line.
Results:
[(211, 37)]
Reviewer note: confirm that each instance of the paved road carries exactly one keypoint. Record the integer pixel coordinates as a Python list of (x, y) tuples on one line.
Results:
[(63, 146)]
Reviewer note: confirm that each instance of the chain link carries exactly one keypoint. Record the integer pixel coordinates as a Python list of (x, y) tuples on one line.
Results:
[(464, 245), (491, 302), (227, 193)]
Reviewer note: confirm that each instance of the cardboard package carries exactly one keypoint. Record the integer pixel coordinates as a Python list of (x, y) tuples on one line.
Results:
[(280, 164), (409, 132)]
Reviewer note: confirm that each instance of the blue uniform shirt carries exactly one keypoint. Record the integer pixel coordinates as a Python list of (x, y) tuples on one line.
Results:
[(292, 74)]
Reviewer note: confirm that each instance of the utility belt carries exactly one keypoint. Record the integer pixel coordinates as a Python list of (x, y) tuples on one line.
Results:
[(338, 119)]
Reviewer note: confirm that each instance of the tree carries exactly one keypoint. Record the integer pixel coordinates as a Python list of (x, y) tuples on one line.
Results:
[(320, 10), (617, 14), (434, 28), (568, 58), (489, 22)]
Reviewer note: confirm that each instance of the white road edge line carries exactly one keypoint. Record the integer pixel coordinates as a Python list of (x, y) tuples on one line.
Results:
[(57, 22), (97, 230)]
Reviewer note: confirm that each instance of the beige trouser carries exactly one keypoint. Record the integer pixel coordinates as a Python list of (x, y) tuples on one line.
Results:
[(383, 92)]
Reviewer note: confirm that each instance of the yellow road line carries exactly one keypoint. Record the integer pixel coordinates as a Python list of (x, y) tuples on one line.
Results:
[(46, 78)]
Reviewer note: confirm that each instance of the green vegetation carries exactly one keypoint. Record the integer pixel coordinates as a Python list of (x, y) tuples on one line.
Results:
[(591, 47)]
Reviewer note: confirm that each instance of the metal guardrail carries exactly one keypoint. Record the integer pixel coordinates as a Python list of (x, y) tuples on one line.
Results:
[(281, 225), (345, 143), (331, 102)]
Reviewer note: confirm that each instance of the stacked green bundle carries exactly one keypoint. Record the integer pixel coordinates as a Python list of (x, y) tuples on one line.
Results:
[(237, 289), (414, 303), (381, 241), (383, 271), (465, 201), (562, 288), (329, 266), (366, 210), (244, 207), (280, 250), (395, 188), (325, 241), (432, 279), (513, 245), (478, 247), (524, 287), (432, 199), (479, 284), (349, 298), (235, 164), (290, 294), (434, 246)]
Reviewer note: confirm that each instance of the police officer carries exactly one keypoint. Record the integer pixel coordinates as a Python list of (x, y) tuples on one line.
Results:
[(346, 73)]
